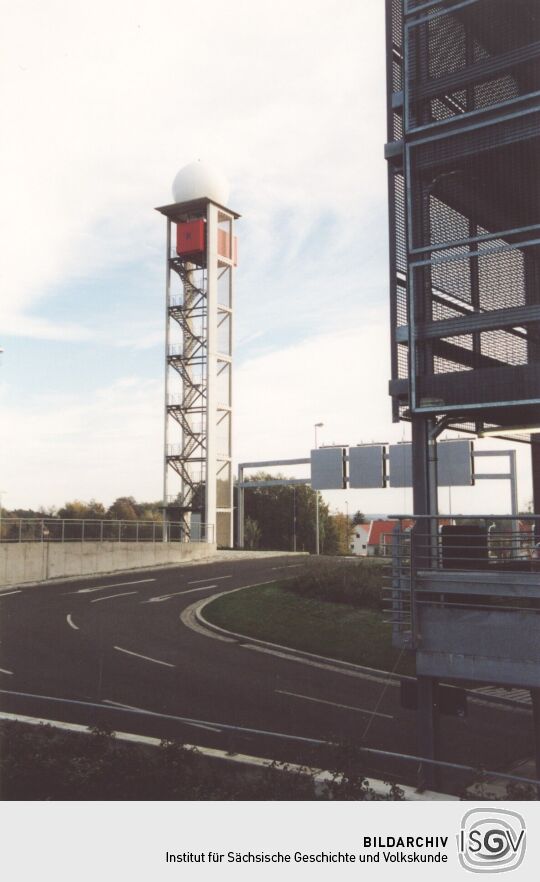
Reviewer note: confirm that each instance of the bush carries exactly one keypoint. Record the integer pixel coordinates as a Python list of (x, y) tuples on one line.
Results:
[(44, 763), (357, 583)]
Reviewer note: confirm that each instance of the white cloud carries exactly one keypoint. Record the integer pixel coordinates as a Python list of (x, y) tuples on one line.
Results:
[(106, 445), (110, 443), (341, 379), (105, 101)]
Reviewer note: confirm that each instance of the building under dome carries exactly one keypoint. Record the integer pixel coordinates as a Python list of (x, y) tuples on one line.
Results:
[(201, 256)]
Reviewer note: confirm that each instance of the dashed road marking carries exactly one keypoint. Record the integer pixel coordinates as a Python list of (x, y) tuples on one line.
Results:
[(359, 710), (162, 597), (145, 657), (392, 679), (71, 623), (113, 596), (114, 585), (144, 711), (5, 671), (8, 593), (287, 567), (215, 578)]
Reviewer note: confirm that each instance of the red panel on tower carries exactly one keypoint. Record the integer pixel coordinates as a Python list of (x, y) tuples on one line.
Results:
[(190, 237)]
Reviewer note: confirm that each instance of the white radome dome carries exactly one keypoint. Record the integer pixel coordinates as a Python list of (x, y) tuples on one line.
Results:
[(200, 181)]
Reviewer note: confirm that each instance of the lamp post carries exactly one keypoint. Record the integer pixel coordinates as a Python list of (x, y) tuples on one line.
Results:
[(294, 516), (2, 492), (317, 426)]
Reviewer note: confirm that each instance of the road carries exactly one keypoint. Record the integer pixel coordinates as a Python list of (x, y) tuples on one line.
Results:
[(98, 650)]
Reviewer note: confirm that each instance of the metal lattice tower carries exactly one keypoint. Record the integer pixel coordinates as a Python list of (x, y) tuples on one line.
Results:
[(200, 261)]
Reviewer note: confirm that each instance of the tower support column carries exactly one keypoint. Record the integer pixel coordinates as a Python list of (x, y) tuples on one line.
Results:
[(200, 264)]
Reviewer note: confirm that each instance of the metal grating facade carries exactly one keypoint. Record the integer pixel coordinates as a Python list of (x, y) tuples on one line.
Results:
[(464, 203)]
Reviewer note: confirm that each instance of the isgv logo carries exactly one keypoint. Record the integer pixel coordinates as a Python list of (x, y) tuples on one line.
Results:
[(491, 840)]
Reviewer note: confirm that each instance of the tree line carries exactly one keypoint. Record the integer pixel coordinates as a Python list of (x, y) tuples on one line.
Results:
[(284, 519), (281, 518), (125, 508)]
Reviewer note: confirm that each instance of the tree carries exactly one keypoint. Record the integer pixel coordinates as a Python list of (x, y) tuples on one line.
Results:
[(359, 518), (123, 509), (283, 512), (252, 533), (342, 528), (87, 510), (150, 511)]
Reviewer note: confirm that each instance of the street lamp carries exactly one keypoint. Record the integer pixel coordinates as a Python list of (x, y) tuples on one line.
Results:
[(294, 516), (317, 426), (2, 493)]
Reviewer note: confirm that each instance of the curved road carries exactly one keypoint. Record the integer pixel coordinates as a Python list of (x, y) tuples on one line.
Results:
[(99, 650)]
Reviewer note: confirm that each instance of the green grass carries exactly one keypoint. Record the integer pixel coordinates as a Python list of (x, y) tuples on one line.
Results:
[(277, 614)]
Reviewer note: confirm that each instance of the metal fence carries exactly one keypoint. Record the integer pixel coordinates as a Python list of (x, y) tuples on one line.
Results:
[(469, 587), (91, 530)]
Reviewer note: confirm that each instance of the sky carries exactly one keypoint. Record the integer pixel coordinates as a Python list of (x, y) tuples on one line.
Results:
[(101, 104)]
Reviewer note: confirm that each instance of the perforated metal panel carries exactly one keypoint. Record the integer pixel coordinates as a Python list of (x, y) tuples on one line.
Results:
[(465, 209)]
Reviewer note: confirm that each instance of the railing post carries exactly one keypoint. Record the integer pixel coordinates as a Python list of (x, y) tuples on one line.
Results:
[(82, 530), (137, 533), (397, 596), (42, 529), (20, 529), (240, 507), (101, 531), (119, 530)]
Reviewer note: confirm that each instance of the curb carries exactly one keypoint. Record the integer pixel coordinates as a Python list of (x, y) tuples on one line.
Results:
[(217, 557), (320, 776), (309, 656), (376, 673)]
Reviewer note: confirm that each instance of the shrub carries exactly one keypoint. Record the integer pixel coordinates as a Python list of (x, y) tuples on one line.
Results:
[(357, 583)]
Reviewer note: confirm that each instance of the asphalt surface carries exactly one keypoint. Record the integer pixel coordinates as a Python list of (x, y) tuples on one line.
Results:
[(102, 651)]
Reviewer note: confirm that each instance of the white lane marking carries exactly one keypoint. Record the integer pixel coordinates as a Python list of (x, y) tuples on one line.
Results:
[(142, 710), (5, 671), (287, 567), (316, 664), (71, 623), (115, 585), (113, 596), (145, 657), (203, 726), (190, 590), (7, 593), (215, 578), (189, 619), (225, 726), (160, 598), (360, 710)]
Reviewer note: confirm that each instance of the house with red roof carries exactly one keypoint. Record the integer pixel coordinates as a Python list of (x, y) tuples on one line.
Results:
[(374, 539)]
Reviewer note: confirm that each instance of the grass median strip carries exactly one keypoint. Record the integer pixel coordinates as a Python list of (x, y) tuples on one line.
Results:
[(337, 630)]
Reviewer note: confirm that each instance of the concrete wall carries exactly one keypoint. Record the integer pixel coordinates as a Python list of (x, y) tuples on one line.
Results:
[(37, 561)]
